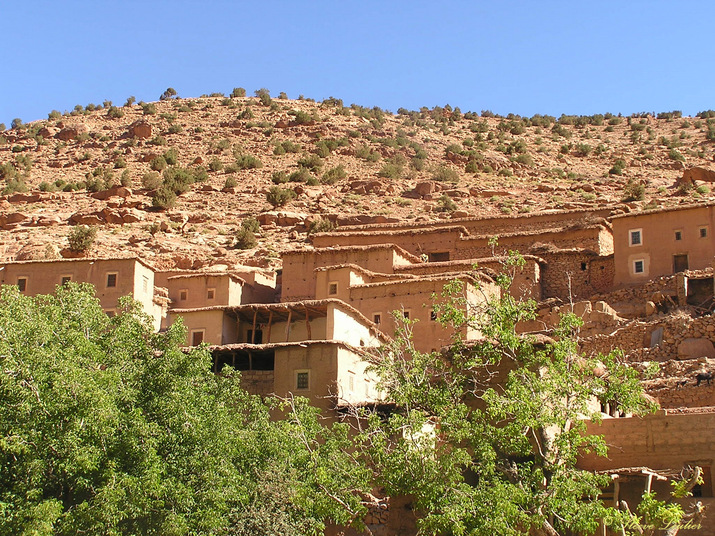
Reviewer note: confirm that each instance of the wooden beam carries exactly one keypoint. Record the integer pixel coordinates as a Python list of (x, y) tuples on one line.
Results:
[(290, 317), (307, 323), (253, 331), (270, 322)]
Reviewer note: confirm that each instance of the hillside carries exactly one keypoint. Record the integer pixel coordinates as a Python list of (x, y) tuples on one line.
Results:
[(345, 165)]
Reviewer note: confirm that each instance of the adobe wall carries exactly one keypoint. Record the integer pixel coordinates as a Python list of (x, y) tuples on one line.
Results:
[(298, 281), (416, 241), (258, 382), (211, 321), (526, 281), (577, 274), (658, 441), (676, 386), (342, 326), (132, 278), (659, 244), (195, 289), (595, 238)]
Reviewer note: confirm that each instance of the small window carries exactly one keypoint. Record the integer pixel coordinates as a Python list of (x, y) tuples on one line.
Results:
[(377, 318), (211, 294), (406, 314), (145, 284), (678, 235), (351, 381), (332, 288), (22, 284), (703, 232), (65, 279), (635, 237), (433, 316), (183, 294), (302, 380), (110, 313), (638, 267), (111, 279), (197, 337), (584, 266)]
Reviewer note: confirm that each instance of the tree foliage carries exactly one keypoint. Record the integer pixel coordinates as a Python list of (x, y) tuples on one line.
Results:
[(487, 435), (108, 428)]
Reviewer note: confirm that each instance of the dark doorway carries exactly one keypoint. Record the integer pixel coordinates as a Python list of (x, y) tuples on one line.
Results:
[(680, 263)]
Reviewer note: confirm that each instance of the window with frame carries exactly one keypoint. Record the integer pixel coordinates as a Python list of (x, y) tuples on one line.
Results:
[(22, 284), (433, 316), (678, 235), (197, 336), (638, 267), (406, 314), (302, 380), (111, 279), (145, 284), (333, 288), (635, 237), (210, 294), (377, 318), (703, 232), (65, 279), (183, 294)]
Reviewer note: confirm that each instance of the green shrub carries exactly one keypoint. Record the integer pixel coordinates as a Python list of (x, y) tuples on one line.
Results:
[(158, 163), (81, 238), (252, 224), (54, 114), (120, 163), (115, 113), (248, 161), (312, 162), (245, 239), (320, 226), (131, 100), (125, 180), (390, 171), (164, 198), (215, 164), (333, 175), (446, 204), (231, 182), (45, 186), (238, 92), (158, 141), (583, 149), (175, 129), (15, 185), (151, 180), (673, 154), (444, 174), (278, 196), (148, 108), (618, 166), (300, 175), (302, 118), (367, 153), (633, 191), (169, 93), (279, 177), (16, 123)]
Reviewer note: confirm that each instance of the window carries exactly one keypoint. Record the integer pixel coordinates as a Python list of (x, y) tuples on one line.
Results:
[(332, 288), (439, 256), (680, 263), (634, 237), (406, 314), (302, 380), (638, 267), (145, 284), (111, 279), (254, 339), (584, 266), (377, 318), (211, 294), (703, 232), (22, 284), (678, 235), (183, 294), (433, 316), (197, 337), (65, 279), (110, 312), (351, 381)]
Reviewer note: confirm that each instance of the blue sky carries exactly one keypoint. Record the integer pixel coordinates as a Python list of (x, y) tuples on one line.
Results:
[(525, 57)]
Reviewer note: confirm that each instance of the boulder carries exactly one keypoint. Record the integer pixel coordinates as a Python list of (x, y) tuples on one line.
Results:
[(116, 191), (693, 347), (140, 129), (697, 174), (48, 132), (71, 132), (24, 198), (48, 220), (79, 218), (426, 188)]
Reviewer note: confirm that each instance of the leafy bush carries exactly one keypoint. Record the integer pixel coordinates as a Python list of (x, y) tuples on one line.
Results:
[(673, 154), (169, 93), (148, 108), (151, 180), (231, 182), (633, 191), (390, 171), (158, 163), (320, 226), (54, 114), (278, 196), (367, 153), (164, 198), (618, 166), (81, 238), (131, 100), (238, 92), (215, 164), (445, 174), (16, 123), (248, 161), (171, 157), (245, 239), (279, 177), (115, 113), (300, 175), (333, 175), (446, 204), (312, 162)]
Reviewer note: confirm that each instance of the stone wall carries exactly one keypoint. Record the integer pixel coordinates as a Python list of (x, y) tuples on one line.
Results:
[(257, 382)]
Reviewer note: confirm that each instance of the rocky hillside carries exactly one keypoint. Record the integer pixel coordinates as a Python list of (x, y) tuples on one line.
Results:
[(176, 181)]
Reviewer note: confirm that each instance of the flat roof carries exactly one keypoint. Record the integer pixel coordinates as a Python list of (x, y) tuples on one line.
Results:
[(690, 206), (247, 347), (365, 247), (83, 259)]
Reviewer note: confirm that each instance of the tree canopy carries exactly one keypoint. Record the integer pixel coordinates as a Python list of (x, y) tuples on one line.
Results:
[(108, 428)]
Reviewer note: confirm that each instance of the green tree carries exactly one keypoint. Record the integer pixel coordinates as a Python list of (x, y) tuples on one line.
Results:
[(487, 435), (109, 428)]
